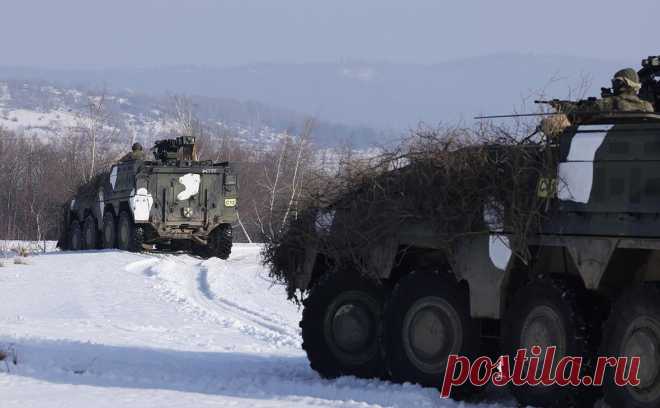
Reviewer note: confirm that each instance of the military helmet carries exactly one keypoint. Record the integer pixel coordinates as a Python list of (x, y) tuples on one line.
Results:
[(137, 147), (626, 78)]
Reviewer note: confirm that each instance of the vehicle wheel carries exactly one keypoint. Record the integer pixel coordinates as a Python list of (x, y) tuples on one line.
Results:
[(427, 318), (219, 244), (633, 330), (109, 230), (129, 236), (221, 241), (340, 326), (547, 313), (75, 236), (90, 233)]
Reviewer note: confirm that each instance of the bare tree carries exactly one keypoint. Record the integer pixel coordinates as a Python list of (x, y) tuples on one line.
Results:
[(93, 125), (284, 170)]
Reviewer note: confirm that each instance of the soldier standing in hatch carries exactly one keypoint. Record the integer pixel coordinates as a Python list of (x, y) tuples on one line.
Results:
[(625, 86), (624, 98), (136, 153)]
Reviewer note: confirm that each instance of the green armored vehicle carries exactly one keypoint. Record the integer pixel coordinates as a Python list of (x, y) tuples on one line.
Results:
[(171, 201), (585, 277)]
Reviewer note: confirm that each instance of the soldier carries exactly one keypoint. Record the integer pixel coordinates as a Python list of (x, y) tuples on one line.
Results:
[(136, 153), (624, 98)]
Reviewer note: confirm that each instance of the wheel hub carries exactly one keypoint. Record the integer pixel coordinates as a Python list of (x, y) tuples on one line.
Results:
[(75, 241), (123, 232), (107, 233), (349, 326), (643, 341), (431, 331), (427, 333), (543, 327), (89, 235), (352, 326)]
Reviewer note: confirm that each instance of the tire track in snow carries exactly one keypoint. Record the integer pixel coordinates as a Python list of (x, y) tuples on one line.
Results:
[(271, 322), (186, 284)]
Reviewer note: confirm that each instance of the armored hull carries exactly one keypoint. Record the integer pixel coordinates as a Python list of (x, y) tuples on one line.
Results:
[(173, 204), (585, 279)]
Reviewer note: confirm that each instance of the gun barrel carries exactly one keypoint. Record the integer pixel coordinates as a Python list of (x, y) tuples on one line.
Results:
[(522, 115), (546, 102)]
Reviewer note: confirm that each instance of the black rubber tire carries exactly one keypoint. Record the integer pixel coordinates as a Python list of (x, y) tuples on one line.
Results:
[(90, 233), (129, 236), (414, 291), (333, 292), (219, 244), (637, 308), (202, 251), (75, 236), (221, 241), (564, 301), (109, 230)]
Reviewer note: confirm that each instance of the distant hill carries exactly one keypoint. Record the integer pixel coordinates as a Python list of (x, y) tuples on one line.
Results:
[(377, 95), (47, 108)]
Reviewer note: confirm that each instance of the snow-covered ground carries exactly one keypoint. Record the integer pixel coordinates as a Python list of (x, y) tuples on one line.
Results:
[(115, 329), (9, 248)]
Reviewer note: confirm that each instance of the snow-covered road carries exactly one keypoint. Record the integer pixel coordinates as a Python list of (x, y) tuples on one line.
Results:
[(114, 329)]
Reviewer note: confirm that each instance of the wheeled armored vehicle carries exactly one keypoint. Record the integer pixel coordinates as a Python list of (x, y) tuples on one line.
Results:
[(170, 201), (589, 283)]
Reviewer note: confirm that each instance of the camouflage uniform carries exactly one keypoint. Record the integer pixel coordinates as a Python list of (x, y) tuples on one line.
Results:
[(625, 85), (136, 153)]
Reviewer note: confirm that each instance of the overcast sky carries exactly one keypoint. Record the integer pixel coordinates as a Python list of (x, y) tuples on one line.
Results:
[(103, 33)]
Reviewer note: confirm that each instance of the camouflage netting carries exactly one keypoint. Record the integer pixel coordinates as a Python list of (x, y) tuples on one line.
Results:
[(456, 181)]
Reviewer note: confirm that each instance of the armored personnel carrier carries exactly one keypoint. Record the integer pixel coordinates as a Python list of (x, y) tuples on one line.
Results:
[(170, 201), (585, 279)]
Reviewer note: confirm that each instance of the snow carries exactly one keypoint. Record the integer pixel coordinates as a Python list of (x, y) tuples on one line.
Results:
[(110, 328), (25, 120), (5, 95), (359, 73), (10, 248)]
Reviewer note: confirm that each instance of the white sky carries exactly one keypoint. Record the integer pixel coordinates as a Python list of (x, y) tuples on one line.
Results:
[(70, 33)]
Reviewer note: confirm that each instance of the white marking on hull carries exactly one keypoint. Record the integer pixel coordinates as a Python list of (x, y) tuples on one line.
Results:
[(576, 176), (324, 221), (575, 181), (113, 177), (191, 183), (141, 203), (584, 146), (499, 251), (492, 215), (595, 128)]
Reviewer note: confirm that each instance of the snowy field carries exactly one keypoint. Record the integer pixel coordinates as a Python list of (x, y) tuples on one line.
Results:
[(10, 248), (115, 329)]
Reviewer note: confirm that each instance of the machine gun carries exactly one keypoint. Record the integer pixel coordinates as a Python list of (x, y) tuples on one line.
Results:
[(555, 103), (650, 90), (566, 106), (181, 148)]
